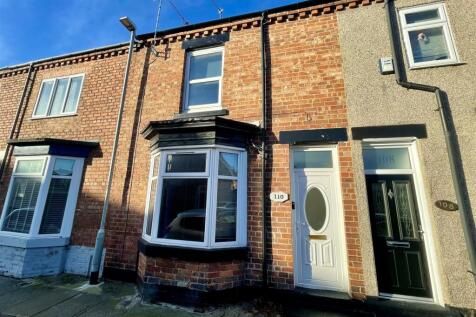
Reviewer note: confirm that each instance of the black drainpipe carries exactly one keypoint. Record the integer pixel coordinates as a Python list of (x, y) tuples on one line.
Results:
[(264, 91), (15, 121), (450, 133)]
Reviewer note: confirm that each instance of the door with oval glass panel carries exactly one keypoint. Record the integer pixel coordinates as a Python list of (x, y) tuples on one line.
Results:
[(319, 248)]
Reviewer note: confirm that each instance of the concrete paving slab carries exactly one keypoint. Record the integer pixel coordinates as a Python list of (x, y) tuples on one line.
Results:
[(73, 306), (107, 308), (8, 285), (42, 298)]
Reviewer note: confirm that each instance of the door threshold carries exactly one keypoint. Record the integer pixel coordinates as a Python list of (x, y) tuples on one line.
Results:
[(323, 293), (406, 298)]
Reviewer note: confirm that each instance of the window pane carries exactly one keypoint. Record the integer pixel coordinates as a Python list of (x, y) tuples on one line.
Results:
[(429, 45), (381, 209), (150, 209), (313, 159), (315, 208), (182, 210), (63, 167), (423, 16), (203, 93), (205, 66), (405, 209), (58, 97), (186, 163), (29, 166), (55, 206), (156, 162), (42, 106), (387, 158), (228, 164), (21, 204), (226, 210), (73, 95)]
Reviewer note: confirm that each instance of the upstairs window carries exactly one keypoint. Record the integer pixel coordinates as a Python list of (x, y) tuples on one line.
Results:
[(42, 195), (203, 80), (58, 97), (427, 36), (197, 198)]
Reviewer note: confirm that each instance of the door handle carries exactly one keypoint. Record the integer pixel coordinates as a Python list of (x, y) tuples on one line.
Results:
[(398, 244)]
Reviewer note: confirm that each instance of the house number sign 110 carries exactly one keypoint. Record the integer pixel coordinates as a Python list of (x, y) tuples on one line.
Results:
[(278, 197)]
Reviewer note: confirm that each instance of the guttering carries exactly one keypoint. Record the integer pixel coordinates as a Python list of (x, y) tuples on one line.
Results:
[(15, 121), (48, 59), (448, 129), (99, 246), (264, 91)]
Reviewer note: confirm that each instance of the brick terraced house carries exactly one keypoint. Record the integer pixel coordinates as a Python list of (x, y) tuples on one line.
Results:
[(263, 150)]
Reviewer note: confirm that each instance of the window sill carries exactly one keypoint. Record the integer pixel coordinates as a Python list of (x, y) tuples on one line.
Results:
[(196, 114), (192, 254), (55, 117), (28, 242), (416, 67)]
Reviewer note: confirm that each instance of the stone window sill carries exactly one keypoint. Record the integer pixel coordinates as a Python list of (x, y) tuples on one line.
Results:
[(27, 242)]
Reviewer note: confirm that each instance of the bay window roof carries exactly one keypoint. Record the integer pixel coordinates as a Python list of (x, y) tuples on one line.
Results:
[(211, 130)]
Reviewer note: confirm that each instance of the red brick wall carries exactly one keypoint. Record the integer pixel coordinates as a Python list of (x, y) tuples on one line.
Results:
[(193, 275), (307, 92)]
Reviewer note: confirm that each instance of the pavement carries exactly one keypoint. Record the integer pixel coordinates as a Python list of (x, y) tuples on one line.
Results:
[(69, 295)]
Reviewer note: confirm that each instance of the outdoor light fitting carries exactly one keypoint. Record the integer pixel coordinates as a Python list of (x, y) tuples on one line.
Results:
[(128, 24)]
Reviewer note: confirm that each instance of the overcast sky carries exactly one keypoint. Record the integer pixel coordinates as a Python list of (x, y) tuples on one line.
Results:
[(35, 29)]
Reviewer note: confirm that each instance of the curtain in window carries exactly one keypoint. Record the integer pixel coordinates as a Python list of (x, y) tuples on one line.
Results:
[(429, 44), (21, 205)]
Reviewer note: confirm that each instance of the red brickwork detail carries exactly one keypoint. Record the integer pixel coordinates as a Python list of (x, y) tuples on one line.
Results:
[(192, 275)]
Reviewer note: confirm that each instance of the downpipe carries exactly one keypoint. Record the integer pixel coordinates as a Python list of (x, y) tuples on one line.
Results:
[(264, 90), (449, 133), (15, 121), (100, 237)]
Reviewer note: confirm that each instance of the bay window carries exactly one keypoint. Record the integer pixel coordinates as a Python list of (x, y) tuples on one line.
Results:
[(42, 196), (197, 198), (427, 36)]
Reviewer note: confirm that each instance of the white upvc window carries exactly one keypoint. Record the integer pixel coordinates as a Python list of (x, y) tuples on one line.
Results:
[(427, 35), (203, 80), (59, 96), (41, 197), (197, 198)]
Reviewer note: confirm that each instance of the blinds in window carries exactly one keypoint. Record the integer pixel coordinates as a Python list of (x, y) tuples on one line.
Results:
[(21, 205), (55, 206)]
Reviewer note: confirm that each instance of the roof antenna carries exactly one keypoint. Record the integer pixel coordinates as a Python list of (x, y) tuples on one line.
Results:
[(185, 22), (154, 42), (220, 10)]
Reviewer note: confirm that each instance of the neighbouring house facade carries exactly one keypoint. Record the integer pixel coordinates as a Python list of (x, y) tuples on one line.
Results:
[(264, 149)]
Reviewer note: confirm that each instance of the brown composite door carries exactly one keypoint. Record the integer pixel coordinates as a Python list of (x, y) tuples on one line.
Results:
[(399, 247)]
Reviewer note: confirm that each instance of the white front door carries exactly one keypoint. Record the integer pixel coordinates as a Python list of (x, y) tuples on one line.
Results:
[(319, 246)]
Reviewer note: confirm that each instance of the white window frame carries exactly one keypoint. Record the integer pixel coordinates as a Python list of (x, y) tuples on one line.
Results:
[(441, 22), (187, 82), (53, 92), (46, 176), (211, 174)]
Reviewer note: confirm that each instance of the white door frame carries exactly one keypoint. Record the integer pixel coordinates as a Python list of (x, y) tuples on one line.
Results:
[(340, 206), (430, 250)]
